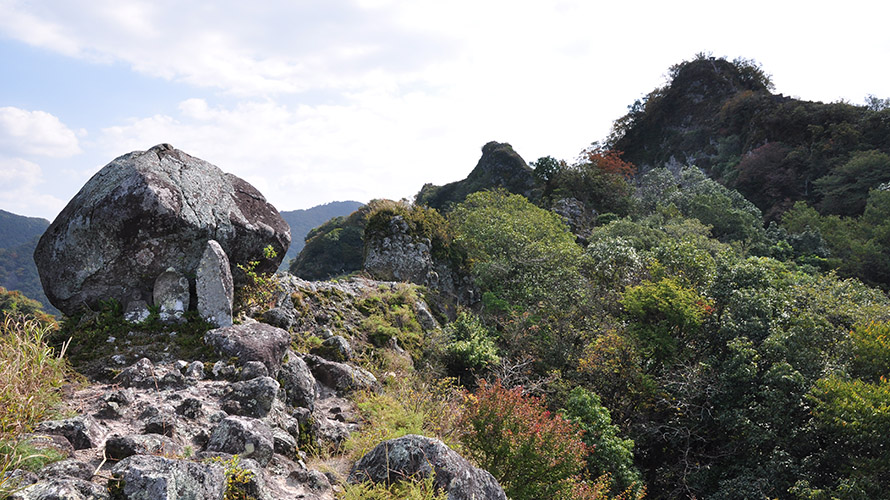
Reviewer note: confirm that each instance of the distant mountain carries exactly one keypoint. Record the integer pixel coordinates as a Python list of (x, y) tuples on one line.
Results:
[(18, 238), (303, 221)]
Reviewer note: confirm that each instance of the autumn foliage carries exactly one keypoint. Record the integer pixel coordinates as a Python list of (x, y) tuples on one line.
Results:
[(530, 451), (609, 161)]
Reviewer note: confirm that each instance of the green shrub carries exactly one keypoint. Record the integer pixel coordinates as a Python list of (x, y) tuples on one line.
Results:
[(471, 348), (610, 453)]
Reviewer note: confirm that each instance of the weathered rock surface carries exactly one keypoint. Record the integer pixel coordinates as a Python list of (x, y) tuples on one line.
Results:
[(394, 253), (341, 377), (398, 255), (251, 342), (148, 477), (147, 211), (251, 398), (81, 431), (214, 285), (418, 456), (297, 382), (120, 447), (171, 295), (62, 489), (243, 436)]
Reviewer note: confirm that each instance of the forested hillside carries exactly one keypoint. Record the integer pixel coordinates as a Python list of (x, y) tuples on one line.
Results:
[(820, 169), (694, 294), (303, 221), (18, 238)]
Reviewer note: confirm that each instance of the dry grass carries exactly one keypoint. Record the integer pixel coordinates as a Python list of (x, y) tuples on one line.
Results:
[(31, 377)]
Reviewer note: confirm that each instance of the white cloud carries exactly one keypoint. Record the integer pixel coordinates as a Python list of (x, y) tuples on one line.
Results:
[(35, 133), (20, 181)]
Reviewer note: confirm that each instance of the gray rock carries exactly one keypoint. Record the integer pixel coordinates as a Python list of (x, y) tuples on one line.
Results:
[(163, 423), (190, 408), (62, 489), (250, 398), (55, 442), (118, 447), (253, 369), (195, 370), (68, 468), (136, 311), (297, 382), (148, 477), (332, 432), (341, 377), (335, 348), (243, 436), (425, 317), (418, 456), (82, 431), (312, 479), (250, 342), (171, 295), (284, 443), (223, 371), (397, 255), (214, 286), (140, 374), (147, 211)]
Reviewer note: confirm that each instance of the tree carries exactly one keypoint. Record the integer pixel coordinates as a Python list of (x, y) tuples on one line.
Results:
[(519, 252), (845, 190)]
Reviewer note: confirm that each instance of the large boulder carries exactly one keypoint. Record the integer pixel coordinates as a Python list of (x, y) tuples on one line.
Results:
[(147, 211), (414, 456)]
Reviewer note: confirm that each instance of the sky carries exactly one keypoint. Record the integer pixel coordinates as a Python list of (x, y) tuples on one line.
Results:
[(318, 101)]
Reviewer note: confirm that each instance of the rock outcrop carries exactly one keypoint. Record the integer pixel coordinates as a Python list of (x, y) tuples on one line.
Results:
[(143, 213), (499, 167), (417, 457)]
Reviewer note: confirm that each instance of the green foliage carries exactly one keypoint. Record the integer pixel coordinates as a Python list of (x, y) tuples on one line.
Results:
[(334, 248), (31, 374), (389, 314), (422, 222), (13, 303), (238, 479), (855, 418), (255, 291), (407, 405), (97, 335), (408, 489), (856, 247), (521, 253), (531, 452), (610, 454), (596, 187), (664, 314), (471, 349), (845, 189), (303, 221), (731, 217), (870, 351)]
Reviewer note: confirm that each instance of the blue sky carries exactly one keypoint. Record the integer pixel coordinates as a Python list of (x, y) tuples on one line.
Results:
[(358, 99)]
